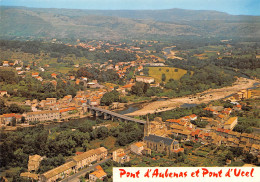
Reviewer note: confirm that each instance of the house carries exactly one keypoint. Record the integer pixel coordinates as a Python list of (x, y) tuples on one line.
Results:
[(176, 147), (78, 162), (99, 173), (233, 142), (144, 79), (193, 117), (53, 75), (20, 72), (101, 153), (72, 77), (255, 149), (60, 172), (120, 156), (137, 148), (6, 119), (77, 81), (4, 93), (184, 134), (51, 100), (231, 123), (39, 78), (41, 69), (36, 74), (85, 159), (34, 162), (18, 68), (5, 63), (65, 112), (30, 176), (140, 68), (42, 115)]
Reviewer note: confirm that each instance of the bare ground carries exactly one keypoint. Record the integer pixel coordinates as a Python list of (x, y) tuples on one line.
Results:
[(207, 96)]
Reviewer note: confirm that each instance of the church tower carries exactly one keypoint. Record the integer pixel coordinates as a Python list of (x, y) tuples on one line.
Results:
[(147, 127)]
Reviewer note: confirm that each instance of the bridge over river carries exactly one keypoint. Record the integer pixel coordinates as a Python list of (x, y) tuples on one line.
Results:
[(112, 115)]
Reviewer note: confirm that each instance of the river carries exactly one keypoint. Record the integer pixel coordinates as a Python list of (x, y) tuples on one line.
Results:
[(135, 107)]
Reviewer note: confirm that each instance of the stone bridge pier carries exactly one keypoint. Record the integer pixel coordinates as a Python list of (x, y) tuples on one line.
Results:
[(111, 115)]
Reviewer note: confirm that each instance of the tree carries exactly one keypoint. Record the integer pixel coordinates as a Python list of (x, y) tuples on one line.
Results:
[(110, 97), (14, 108), (122, 139), (23, 119), (102, 132), (13, 121), (163, 77), (140, 88)]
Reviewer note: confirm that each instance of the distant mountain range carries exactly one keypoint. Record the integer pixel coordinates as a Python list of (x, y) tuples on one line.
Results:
[(123, 24)]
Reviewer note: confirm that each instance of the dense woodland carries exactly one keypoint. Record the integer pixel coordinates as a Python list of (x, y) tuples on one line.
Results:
[(55, 50), (30, 88), (60, 141)]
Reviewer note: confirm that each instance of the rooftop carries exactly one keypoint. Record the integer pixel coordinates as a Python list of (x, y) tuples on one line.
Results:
[(59, 169), (99, 173), (231, 120), (84, 155), (154, 138)]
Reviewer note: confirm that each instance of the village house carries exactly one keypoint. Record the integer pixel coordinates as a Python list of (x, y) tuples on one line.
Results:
[(144, 79), (39, 78), (231, 123), (255, 150), (137, 148), (233, 142), (78, 162), (99, 173), (5, 63), (120, 156), (34, 162), (36, 74), (19, 68), (4, 93), (90, 156), (54, 75), (6, 119), (66, 99), (184, 134), (30, 176), (58, 173), (101, 153), (42, 116), (67, 111), (20, 73)]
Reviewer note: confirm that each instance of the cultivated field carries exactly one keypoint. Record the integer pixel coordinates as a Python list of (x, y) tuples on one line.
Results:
[(170, 73)]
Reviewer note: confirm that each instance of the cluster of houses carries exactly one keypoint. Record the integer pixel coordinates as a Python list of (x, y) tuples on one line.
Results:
[(153, 141), (53, 109), (77, 162), (183, 129)]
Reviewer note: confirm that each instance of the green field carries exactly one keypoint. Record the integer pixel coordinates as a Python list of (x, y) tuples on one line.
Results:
[(170, 73)]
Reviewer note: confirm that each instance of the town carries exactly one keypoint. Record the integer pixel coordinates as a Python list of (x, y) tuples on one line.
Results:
[(83, 91)]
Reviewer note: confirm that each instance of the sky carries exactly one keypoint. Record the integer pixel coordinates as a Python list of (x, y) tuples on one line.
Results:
[(235, 7)]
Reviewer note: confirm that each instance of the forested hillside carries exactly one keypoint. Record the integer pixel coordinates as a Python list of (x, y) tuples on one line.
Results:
[(156, 24)]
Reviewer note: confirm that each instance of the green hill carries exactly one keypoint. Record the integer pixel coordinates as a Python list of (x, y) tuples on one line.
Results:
[(124, 24)]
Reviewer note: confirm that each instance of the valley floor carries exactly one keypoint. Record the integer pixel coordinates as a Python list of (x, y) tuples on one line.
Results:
[(204, 97)]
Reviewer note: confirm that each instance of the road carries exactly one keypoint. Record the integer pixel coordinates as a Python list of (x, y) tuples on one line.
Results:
[(75, 177)]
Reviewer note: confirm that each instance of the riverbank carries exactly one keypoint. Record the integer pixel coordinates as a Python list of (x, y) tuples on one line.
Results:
[(199, 98), (170, 54)]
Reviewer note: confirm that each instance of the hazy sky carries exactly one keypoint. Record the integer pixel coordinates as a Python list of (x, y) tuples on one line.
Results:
[(246, 7)]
